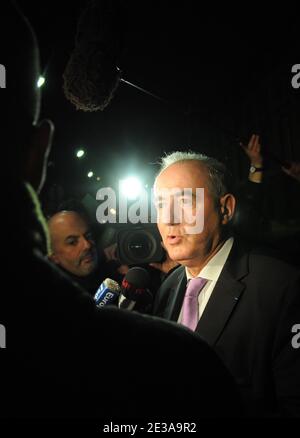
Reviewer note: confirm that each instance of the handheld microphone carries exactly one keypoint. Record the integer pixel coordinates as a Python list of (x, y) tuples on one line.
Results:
[(107, 293), (135, 293)]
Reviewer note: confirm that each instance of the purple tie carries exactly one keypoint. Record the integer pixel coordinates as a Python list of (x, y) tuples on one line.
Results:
[(190, 308)]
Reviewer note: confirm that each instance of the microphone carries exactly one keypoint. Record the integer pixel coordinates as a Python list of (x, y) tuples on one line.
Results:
[(107, 293), (135, 293), (91, 76)]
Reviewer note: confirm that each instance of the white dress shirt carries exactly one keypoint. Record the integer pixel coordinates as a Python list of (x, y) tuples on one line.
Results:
[(211, 272)]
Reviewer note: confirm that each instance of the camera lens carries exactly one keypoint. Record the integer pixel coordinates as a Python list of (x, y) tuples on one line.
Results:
[(140, 246)]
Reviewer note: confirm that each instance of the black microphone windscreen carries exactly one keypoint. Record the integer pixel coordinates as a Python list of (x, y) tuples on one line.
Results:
[(138, 277), (91, 76), (136, 286)]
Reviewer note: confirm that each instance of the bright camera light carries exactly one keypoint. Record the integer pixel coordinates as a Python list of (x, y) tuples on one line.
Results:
[(40, 81), (90, 174), (131, 187), (80, 153)]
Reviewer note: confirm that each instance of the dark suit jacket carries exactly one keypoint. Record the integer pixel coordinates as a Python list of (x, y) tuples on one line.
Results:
[(248, 322)]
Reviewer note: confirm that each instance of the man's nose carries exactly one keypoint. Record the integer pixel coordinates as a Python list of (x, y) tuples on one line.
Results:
[(86, 243)]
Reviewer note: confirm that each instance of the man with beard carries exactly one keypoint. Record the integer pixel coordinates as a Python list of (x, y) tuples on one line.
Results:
[(74, 250)]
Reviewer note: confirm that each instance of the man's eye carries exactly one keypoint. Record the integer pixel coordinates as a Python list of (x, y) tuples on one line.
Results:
[(72, 242)]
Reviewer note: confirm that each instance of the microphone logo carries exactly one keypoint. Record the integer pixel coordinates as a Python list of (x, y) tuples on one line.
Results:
[(129, 287), (107, 293), (108, 297)]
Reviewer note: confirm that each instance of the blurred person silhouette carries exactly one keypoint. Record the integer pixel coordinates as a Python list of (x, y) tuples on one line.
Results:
[(64, 355), (253, 220), (293, 170), (248, 221)]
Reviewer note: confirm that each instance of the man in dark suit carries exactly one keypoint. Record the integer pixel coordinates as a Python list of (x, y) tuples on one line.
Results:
[(243, 303), (65, 357)]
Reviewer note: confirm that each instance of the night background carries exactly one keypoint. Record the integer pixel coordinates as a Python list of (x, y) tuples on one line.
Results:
[(223, 75)]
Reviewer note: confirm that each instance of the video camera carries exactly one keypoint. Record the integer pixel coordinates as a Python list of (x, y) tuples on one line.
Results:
[(139, 244)]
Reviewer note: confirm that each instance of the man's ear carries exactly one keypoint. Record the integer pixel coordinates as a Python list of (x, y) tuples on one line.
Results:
[(228, 203), (54, 258), (38, 152)]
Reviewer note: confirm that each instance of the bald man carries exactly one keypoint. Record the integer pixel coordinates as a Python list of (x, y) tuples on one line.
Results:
[(72, 243), (73, 249)]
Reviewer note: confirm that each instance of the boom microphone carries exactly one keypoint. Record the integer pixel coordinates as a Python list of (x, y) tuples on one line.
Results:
[(108, 293), (135, 292), (91, 76)]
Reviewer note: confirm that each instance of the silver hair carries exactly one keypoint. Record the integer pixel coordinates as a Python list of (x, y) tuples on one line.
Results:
[(219, 177)]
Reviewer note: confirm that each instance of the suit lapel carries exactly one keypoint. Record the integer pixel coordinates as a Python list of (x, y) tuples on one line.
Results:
[(220, 306), (176, 295), (224, 298)]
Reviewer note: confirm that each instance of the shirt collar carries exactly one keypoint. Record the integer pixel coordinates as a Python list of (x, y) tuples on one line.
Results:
[(213, 268)]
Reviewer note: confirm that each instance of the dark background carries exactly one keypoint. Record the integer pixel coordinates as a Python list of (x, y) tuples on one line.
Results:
[(224, 74)]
